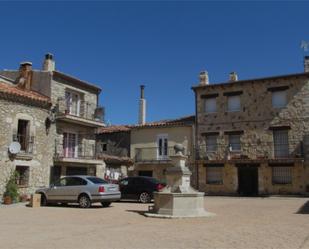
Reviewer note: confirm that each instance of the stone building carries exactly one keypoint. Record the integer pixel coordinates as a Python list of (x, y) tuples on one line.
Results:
[(252, 135), (75, 114), (113, 143), (25, 118)]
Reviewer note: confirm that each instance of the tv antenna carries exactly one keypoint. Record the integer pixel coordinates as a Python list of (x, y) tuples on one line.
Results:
[(304, 45)]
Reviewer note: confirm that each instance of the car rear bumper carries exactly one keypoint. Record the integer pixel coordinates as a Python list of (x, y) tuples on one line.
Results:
[(108, 197)]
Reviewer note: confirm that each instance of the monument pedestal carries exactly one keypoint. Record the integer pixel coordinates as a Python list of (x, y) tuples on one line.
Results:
[(178, 199)]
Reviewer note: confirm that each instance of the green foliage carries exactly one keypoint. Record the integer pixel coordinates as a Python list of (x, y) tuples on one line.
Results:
[(11, 188)]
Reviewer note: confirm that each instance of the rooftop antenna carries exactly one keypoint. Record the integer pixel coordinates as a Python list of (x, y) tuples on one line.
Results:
[(304, 45)]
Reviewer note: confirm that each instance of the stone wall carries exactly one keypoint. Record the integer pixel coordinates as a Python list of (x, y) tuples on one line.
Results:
[(41, 159), (255, 120)]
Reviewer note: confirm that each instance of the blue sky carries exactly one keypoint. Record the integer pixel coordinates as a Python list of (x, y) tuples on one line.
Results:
[(164, 45)]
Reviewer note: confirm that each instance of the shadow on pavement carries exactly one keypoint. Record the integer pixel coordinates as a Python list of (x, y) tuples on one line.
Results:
[(140, 212), (304, 209)]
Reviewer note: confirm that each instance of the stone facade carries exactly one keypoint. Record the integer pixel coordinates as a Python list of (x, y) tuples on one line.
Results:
[(39, 159), (255, 121)]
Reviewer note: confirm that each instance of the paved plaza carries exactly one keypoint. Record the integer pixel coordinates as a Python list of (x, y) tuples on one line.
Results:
[(276, 222)]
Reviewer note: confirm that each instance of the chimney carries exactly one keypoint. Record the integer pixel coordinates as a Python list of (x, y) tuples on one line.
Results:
[(204, 79), (25, 75), (142, 107), (49, 63), (306, 63), (233, 77)]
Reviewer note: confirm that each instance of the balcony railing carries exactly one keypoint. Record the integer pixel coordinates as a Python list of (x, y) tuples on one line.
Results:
[(250, 151), (82, 152), (152, 154), (26, 143), (82, 109)]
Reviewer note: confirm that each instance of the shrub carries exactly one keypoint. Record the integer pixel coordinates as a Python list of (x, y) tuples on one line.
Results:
[(11, 188)]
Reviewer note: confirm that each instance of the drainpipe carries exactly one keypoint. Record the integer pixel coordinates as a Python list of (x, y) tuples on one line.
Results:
[(195, 143)]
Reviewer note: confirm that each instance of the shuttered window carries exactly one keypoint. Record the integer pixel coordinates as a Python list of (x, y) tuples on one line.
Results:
[(234, 142), (214, 175), (233, 103), (210, 105), (281, 143), (282, 175), (211, 143), (279, 99)]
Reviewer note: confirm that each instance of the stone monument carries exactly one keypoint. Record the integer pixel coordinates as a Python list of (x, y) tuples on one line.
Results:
[(178, 199)]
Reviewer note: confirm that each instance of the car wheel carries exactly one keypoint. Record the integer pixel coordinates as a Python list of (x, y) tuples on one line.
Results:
[(144, 197), (106, 204), (43, 200), (84, 201)]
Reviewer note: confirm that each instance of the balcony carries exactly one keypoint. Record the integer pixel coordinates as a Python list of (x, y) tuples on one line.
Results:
[(154, 154), (26, 146), (81, 112), (246, 151), (78, 154)]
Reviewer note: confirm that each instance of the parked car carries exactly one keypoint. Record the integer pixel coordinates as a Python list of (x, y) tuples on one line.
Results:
[(139, 188), (83, 190)]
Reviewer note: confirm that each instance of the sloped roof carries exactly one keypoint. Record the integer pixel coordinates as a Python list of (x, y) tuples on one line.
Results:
[(23, 95), (116, 159), (182, 121)]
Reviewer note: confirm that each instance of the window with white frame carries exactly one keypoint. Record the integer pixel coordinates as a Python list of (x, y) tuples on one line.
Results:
[(162, 149), (282, 175), (210, 105), (73, 102), (279, 99), (233, 103), (211, 142), (234, 142), (214, 175)]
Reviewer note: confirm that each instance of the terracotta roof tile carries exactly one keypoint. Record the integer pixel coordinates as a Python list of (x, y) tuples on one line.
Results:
[(12, 90), (116, 159), (113, 128)]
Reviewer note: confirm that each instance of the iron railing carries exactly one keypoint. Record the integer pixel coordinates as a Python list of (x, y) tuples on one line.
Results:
[(82, 109), (26, 143), (150, 154), (294, 149), (80, 151)]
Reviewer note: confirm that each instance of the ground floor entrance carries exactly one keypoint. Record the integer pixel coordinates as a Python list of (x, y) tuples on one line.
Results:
[(248, 180), (77, 171), (145, 173)]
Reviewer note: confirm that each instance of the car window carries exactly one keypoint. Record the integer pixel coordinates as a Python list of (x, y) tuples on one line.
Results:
[(61, 182), (124, 182), (77, 181), (97, 180)]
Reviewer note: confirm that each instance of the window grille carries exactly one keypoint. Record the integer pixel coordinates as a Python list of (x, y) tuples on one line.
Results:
[(214, 175), (233, 103), (23, 175), (234, 142), (211, 143), (282, 175), (281, 143)]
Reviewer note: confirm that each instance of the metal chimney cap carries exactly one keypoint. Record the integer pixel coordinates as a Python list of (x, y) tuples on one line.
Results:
[(49, 56), (26, 63)]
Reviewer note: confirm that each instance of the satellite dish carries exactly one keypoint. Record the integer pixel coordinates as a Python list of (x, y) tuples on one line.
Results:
[(14, 148)]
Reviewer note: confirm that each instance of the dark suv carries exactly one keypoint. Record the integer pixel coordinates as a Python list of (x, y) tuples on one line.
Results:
[(139, 188)]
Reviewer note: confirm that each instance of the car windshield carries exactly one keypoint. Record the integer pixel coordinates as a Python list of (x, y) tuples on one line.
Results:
[(97, 180)]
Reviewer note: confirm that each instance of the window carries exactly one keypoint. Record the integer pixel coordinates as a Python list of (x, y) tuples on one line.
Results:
[(97, 180), (210, 105), (233, 103), (281, 143), (104, 147), (282, 175), (211, 143), (234, 142), (23, 134), (279, 99), (214, 175), (72, 103), (23, 175), (75, 181), (70, 145), (162, 141)]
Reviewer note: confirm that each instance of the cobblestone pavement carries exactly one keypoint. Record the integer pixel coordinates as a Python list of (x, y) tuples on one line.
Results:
[(276, 222)]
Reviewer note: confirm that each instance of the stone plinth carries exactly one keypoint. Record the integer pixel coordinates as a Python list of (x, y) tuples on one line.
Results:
[(178, 199)]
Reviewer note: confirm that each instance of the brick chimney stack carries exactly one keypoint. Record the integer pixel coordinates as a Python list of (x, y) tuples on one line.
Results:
[(204, 79), (142, 107), (49, 63), (306, 63), (233, 77), (25, 75)]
